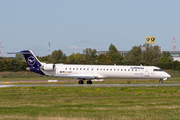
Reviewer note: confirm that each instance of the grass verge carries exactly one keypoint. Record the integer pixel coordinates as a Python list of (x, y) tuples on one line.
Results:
[(93, 103)]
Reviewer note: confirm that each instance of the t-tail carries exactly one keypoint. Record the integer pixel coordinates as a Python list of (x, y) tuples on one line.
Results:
[(32, 61)]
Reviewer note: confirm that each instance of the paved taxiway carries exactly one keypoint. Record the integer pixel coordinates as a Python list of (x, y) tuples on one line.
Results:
[(94, 85)]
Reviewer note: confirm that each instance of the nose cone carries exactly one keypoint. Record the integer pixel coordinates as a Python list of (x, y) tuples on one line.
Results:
[(167, 75)]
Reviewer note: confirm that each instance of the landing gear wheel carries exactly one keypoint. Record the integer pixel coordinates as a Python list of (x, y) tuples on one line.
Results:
[(80, 82), (89, 82), (160, 81)]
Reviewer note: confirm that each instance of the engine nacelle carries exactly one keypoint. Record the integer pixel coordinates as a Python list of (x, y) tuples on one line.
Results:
[(48, 67), (165, 78)]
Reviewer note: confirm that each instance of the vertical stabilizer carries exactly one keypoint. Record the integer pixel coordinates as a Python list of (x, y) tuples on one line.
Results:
[(32, 61)]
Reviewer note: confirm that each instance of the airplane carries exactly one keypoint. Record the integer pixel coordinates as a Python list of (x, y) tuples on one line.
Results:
[(91, 72)]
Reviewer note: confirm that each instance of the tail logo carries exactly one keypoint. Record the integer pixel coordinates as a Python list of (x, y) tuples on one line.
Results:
[(31, 60)]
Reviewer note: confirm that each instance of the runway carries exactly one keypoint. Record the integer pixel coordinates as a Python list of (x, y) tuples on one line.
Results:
[(86, 85)]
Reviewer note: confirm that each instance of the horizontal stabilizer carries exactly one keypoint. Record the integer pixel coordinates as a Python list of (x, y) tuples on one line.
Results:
[(21, 52)]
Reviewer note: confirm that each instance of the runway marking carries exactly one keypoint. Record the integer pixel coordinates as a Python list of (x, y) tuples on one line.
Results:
[(85, 85), (1, 86)]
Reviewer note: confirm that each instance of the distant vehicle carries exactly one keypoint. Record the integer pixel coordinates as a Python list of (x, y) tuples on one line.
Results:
[(91, 72)]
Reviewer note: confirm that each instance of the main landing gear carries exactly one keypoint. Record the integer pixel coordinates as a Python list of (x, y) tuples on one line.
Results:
[(89, 82), (82, 82), (160, 81)]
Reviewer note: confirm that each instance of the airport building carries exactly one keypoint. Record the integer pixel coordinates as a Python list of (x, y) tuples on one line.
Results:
[(175, 55), (123, 53)]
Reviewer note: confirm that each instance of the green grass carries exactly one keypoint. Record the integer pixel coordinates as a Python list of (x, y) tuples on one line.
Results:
[(98, 103), (26, 75), (22, 75)]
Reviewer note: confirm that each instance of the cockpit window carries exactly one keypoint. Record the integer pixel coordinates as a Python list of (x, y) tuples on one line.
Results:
[(158, 70)]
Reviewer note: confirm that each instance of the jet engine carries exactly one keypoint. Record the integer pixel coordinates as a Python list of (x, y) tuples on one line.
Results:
[(48, 67)]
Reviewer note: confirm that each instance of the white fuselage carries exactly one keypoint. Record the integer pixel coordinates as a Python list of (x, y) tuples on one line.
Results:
[(107, 71)]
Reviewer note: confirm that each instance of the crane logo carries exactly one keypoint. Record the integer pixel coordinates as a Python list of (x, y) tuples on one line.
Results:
[(31, 60)]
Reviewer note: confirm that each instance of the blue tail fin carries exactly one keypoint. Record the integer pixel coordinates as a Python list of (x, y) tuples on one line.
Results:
[(32, 61)]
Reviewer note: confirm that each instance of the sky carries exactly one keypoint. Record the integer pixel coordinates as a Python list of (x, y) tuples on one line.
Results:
[(74, 25)]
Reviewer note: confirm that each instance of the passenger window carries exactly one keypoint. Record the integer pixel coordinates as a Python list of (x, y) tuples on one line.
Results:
[(84, 69), (136, 70), (117, 69), (128, 69), (69, 68), (104, 69), (80, 68), (124, 69), (121, 69), (97, 68), (65, 68), (92, 68), (114, 69), (101, 69), (73, 68), (107, 69), (76, 68), (110, 69), (132, 69), (87, 68)]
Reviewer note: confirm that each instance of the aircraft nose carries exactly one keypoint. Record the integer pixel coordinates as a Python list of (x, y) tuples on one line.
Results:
[(168, 76)]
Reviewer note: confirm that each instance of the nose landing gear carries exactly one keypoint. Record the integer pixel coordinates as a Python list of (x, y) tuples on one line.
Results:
[(160, 81)]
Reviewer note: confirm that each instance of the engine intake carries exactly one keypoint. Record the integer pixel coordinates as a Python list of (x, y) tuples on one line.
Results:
[(48, 67)]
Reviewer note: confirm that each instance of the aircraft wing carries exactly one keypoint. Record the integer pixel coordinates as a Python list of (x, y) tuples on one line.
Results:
[(78, 77)]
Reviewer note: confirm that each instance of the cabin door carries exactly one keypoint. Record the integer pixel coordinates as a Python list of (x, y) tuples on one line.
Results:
[(146, 73)]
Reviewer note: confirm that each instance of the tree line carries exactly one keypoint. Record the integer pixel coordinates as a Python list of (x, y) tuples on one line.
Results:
[(138, 55), (145, 53)]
